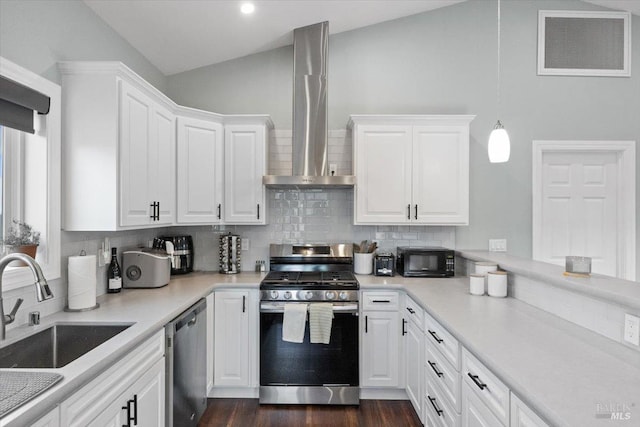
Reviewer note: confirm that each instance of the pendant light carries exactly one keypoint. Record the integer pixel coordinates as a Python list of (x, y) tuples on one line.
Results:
[(499, 145)]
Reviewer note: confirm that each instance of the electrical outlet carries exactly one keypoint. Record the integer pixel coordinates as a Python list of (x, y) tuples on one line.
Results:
[(333, 169), (244, 244), (498, 245), (632, 329)]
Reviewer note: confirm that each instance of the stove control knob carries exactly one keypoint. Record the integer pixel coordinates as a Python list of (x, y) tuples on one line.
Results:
[(308, 295), (273, 294), (343, 295), (330, 295), (287, 295)]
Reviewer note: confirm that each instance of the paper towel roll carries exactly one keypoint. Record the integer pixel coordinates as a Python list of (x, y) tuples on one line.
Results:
[(82, 282)]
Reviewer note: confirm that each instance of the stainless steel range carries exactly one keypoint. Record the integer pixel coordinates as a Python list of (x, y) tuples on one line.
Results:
[(309, 372)]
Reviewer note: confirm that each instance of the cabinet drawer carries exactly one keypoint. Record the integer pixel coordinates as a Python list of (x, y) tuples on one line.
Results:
[(522, 416), (438, 337), (438, 409), (380, 301), (414, 312), (442, 373), (493, 393)]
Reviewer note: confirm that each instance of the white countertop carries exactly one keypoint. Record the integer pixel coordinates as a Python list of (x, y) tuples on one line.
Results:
[(560, 370)]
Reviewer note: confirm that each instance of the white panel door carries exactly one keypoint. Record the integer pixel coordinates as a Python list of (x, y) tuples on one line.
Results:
[(135, 139), (231, 339), (579, 209), (383, 166), (245, 165), (380, 349), (440, 190), (162, 159), (200, 145), (474, 411)]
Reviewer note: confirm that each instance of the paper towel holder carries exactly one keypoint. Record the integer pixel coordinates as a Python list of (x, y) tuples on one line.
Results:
[(77, 310)]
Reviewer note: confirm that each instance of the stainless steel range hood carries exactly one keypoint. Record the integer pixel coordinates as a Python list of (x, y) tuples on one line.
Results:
[(310, 167)]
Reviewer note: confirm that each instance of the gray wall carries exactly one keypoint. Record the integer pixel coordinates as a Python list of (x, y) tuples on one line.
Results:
[(444, 61), (36, 34)]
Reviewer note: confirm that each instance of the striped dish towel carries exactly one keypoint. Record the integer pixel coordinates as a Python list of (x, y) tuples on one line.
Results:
[(320, 319)]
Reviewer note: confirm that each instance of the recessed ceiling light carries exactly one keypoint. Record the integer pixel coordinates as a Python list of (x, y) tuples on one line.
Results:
[(247, 8)]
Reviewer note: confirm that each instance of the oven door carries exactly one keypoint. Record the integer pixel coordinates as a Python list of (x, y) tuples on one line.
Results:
[(285, 363)]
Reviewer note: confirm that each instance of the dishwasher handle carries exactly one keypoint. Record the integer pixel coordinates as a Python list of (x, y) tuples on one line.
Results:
[(190, 316)]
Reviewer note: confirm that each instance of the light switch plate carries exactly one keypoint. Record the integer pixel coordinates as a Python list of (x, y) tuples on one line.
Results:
[(632, 329), (498, 245), (244, 244)]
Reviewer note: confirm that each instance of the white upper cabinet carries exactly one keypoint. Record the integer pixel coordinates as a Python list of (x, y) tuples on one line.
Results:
[(119, 149), (411, 169), (245, 163), (200, 171)]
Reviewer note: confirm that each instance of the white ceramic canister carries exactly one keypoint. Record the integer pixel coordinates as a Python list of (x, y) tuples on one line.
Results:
[(497, 283), (483, 267), (363, 263), (476, 284)]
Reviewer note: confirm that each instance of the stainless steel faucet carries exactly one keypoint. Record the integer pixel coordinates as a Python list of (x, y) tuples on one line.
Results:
[(43, 291)]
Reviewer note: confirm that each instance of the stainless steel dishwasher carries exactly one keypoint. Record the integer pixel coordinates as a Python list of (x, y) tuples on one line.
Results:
[(186, 367)]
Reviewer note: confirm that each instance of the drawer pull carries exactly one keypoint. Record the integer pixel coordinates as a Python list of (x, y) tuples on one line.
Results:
[(381, 301), (436, 337), (476, 380), (411, 310), (433, 403), (404, 330), (435, 369)]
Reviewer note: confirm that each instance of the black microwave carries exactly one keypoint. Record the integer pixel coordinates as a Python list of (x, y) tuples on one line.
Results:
[(425, 262)]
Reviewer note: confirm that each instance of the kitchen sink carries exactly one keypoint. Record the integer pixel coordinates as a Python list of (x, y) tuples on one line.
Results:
[(57, 345)]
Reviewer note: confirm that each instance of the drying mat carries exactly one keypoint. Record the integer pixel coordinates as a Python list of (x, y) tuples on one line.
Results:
[(18, 387)]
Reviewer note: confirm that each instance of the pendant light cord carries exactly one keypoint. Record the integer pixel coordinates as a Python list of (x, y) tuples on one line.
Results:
[(498, 83)]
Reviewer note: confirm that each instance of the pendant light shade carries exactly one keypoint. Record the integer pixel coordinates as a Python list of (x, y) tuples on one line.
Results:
[(499, 144), (499, 147)]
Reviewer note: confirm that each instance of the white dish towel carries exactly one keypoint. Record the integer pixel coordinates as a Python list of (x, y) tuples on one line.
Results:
[(294, 322), (320, 320)]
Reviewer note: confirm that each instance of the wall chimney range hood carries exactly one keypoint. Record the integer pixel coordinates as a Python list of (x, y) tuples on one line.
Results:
[(310, 167)]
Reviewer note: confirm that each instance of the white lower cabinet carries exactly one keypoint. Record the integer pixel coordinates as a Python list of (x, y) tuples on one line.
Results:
[(475, 413), (413, 333), (235, 340), (51, 419), (136, 382), (522, 416), (438, 410), (493, 392)]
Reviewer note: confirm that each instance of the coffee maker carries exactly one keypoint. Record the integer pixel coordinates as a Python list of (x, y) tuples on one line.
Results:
[(182, 257)]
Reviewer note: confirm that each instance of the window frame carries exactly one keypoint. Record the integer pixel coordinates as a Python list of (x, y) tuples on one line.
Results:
[(49, 258)]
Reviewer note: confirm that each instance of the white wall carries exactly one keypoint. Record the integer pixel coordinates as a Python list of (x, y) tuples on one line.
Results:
[(444, 61)]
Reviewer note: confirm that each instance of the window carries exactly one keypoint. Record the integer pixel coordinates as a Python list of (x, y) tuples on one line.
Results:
[(30, 177)]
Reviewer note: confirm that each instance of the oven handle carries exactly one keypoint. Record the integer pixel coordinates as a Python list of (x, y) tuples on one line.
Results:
[(278, 307)]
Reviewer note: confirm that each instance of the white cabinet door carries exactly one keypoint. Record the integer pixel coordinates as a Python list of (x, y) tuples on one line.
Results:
[(474, 412), (231, 359), (380, 349), (414, 359), (162, 160), (522, 416), (200, 157), (142, 404), (245, 165), (383, 170), (51, 419), (135, 141), (440, 191)]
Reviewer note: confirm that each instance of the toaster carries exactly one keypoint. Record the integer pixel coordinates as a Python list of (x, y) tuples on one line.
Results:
[(384, 264), (145, 269)]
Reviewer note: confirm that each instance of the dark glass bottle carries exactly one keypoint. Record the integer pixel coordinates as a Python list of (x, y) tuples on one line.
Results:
[(114, 274)]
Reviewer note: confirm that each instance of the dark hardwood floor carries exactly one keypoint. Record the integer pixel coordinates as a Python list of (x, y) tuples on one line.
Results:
[(248, 413)]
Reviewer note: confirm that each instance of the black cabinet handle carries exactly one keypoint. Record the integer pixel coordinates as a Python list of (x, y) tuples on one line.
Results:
[(128, 409), (435, 369), (158, 211), (411, 310), (476, 380), (244, 303), (258, 210), (366, 324), (153, 211), (381, 301), (409, 211), (219, 211), (433, 403), (131, 403), (135, 408), (416, 211), (436, 337), (404, 330)]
